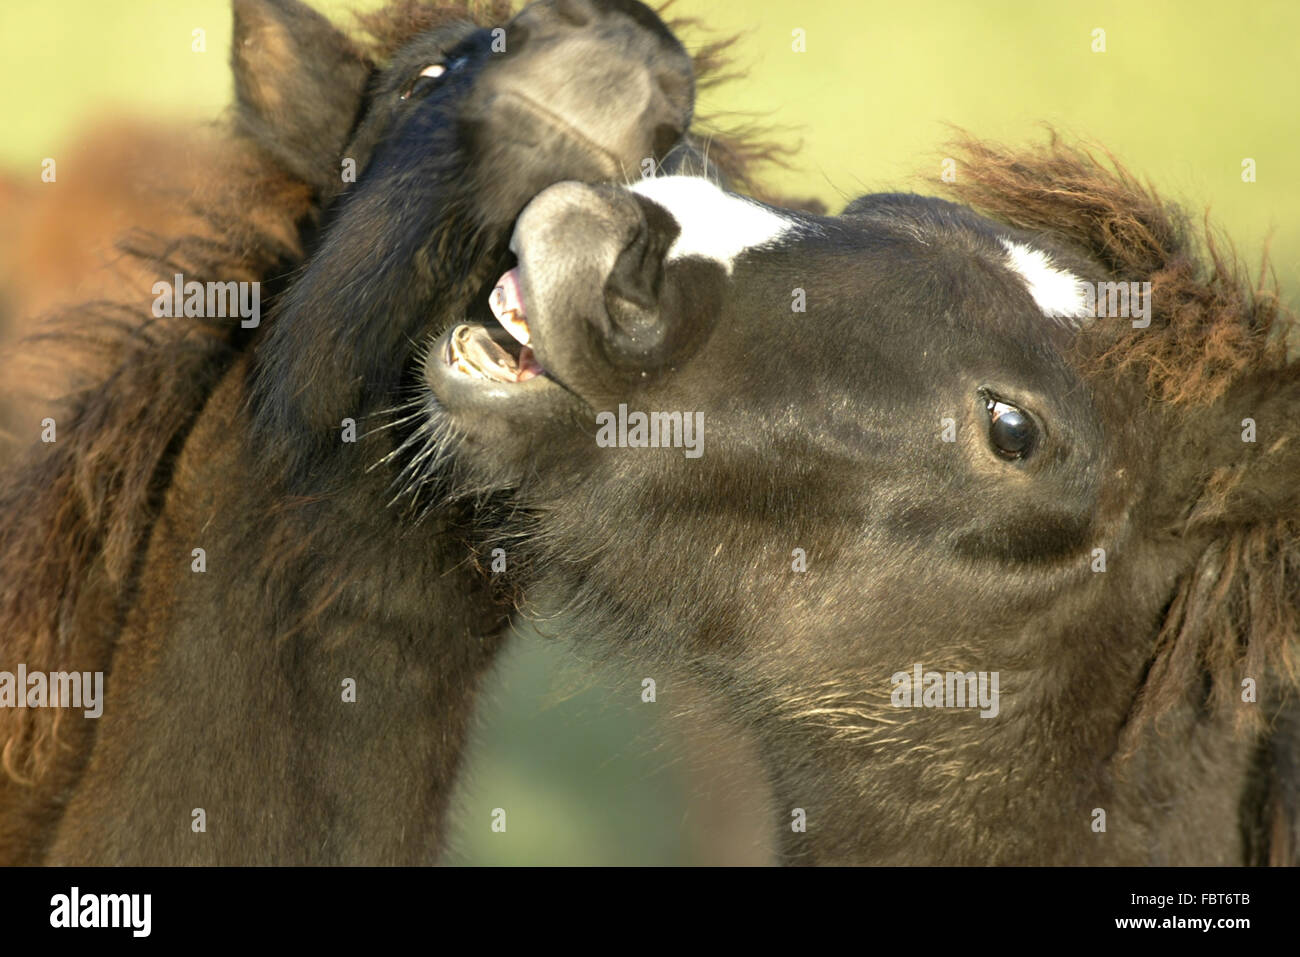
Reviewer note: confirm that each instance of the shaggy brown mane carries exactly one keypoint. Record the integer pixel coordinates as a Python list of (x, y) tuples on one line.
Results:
[(1238, 613), (79, 511)]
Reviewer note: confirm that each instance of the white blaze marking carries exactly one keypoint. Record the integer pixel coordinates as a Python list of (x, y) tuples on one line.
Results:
[(1060, 294), (714, 225)]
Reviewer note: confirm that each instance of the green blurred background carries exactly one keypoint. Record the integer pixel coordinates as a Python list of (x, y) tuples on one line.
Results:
[(1183, 93)]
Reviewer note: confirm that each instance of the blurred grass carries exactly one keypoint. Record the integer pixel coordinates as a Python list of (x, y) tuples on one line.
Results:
[(1183, 93), (589, 773), (547, 734)]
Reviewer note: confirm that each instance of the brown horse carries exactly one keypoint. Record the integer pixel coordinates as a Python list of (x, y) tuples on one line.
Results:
[(291, 663)]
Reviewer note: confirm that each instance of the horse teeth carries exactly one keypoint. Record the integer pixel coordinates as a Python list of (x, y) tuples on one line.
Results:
[(471, 352)]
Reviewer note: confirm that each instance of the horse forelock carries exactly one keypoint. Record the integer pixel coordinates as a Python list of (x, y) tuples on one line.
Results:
[(1211, 326)]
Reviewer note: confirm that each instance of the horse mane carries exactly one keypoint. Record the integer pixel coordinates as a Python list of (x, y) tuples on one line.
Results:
[(1237, 613), (78, 511)]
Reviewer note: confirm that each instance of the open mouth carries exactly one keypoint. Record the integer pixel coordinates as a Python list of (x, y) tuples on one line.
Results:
[(498, 353)]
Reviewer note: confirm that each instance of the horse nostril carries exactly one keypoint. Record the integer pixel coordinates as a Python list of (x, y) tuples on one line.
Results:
[(575, 12), (639, 336), (624, 58), (517, 36), (665, 138), (676, 86)]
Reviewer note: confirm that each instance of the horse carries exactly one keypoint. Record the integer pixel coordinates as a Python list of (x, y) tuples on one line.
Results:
[(978, 512)]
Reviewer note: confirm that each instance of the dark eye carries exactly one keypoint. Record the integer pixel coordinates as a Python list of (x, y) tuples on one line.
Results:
[(1012, 431), (427, 80)]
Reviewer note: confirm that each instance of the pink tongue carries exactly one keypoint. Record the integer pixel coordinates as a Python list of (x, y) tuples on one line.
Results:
[(528, 364), (507, 304)]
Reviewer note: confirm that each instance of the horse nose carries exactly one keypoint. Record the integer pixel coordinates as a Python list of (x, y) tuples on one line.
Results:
[(600, 307), (605, 71)]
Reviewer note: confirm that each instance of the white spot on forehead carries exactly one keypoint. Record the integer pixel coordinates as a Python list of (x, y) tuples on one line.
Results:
[(715, 225), (1059, 294)]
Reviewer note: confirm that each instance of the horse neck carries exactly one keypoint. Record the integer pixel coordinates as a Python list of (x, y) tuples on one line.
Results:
[(932, 786), (309, 674)]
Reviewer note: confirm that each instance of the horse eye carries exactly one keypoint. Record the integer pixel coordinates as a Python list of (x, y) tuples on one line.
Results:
[(1011, 430), (427, 79)]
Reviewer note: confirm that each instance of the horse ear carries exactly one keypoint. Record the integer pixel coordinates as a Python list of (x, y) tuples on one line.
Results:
[(299, 84), (1251, 442)]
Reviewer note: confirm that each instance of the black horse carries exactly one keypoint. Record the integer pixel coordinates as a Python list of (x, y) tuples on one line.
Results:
[(993, 573)]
